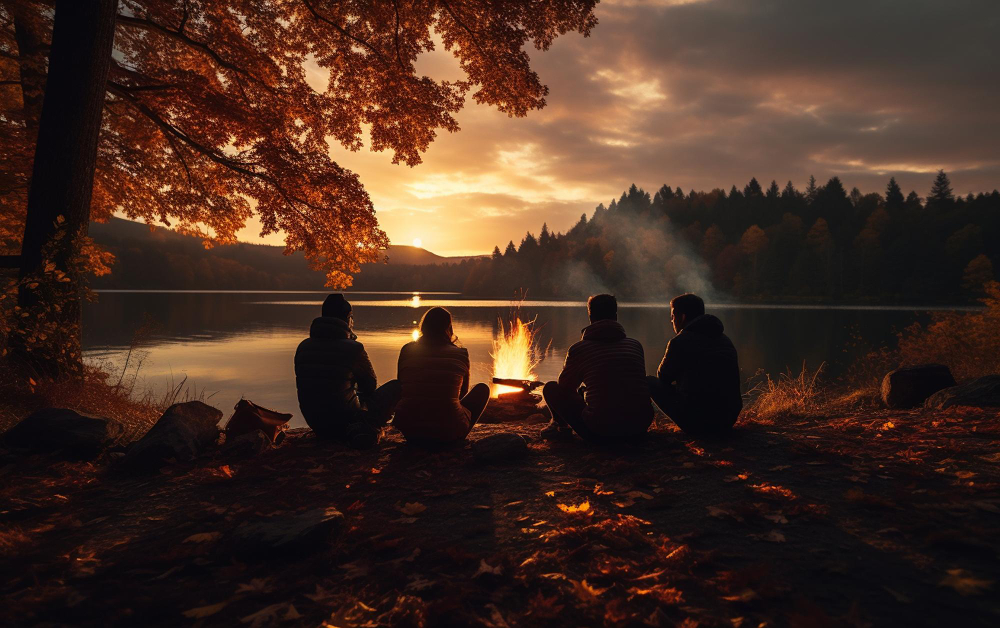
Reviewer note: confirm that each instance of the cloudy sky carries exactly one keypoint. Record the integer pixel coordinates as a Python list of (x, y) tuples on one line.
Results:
[(709, 93)]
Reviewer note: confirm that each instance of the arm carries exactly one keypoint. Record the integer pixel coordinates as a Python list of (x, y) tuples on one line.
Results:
[(670, 366), (571, 377), (364, 373), (465, 375)]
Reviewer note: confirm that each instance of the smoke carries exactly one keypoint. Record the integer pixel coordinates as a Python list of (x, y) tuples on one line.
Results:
[(639, 258)]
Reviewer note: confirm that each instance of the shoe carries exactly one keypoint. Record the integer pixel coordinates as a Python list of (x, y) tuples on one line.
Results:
[(557, 431), (362, 435)]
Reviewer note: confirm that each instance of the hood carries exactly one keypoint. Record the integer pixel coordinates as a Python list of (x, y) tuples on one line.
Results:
[(704, 325), (331, 328), (604, 331)]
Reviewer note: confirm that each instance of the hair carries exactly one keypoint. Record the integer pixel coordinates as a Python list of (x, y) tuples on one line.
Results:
[(436, 328), (688, 304), (337, 306), (602, 307)]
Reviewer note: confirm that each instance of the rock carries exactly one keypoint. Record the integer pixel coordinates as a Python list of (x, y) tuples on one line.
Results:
[(982, 392), (73, 434), (499, 448), (909, 386), (537, 418), (247, 445), (285, 535), (181, 434)]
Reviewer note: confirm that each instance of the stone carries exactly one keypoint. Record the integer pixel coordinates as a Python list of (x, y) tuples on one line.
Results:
[(982, 392), (247, 445), (285, 535), (70, 433), (910, 386), (499, 448), (181, 434), (537, 419)]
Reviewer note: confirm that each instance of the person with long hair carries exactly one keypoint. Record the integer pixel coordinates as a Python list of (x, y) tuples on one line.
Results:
[(437, 406)]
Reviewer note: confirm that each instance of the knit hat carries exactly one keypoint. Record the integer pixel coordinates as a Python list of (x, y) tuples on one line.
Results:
[(337, 306)]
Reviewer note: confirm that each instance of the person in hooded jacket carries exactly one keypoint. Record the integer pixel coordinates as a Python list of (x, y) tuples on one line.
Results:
[(437, 406), (611, 368), (697, 383), (336, 383)]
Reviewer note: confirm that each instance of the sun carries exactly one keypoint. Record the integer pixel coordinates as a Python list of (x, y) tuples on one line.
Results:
[(418, 242)]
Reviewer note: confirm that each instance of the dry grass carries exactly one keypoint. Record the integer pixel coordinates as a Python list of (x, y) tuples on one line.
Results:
[(790, 394)]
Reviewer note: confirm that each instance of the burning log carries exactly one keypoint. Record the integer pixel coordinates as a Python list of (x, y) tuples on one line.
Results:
[(525, 384), (514, 358)]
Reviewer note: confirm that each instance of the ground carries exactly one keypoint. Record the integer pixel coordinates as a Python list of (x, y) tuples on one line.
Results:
[(883, 519)]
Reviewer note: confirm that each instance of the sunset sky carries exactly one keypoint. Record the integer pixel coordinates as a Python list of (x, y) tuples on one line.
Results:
[(705, 94)]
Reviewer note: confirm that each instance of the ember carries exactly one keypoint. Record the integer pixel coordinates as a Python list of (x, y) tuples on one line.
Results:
[(513, 356)]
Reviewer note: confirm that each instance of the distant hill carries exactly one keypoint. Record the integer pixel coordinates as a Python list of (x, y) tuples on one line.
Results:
[(164, 259)]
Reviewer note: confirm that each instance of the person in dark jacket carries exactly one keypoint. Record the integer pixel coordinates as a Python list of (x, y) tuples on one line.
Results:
[(697, 383), (611, 367), (336, 383), (437, 406)]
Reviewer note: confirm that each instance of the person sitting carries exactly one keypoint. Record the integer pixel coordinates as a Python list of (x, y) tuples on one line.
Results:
[(437, 406), (612, 369), (697, 383), (336, 383)]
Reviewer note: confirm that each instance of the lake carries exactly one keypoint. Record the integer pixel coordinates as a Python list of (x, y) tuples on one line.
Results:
[(233, 344)]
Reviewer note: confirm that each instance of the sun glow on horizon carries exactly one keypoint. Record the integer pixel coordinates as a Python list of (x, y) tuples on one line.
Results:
[(417, 242)]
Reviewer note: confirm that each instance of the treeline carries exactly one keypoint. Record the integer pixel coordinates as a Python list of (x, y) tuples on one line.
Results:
[(822, 244)]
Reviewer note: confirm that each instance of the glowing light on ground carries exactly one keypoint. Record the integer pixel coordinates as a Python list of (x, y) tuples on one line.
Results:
[(514, 354)]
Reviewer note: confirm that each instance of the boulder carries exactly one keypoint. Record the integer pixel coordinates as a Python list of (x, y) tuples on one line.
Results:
[(181, 434), (982, 392), (285, 535), (499, 448), (537, 418), (247, 445), (910, 386), (73, 434)]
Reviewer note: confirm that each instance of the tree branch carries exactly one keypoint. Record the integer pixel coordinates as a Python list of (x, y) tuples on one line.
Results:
[(340, 29)]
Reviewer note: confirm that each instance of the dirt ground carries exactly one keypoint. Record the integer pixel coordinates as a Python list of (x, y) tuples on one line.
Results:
[(883, 519)]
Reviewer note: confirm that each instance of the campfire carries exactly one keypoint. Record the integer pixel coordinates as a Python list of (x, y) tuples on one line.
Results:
[(514, 357)]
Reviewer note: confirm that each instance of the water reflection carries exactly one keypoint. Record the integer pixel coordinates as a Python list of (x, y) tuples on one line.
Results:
[(241, 344)]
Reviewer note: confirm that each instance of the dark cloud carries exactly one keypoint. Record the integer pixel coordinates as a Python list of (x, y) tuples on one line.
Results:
[(708, 94)]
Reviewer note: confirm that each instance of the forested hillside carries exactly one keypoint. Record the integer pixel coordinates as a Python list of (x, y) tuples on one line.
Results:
[(823, 244)]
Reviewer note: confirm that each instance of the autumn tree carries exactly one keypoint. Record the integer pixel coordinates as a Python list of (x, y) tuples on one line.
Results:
[(216, 111)]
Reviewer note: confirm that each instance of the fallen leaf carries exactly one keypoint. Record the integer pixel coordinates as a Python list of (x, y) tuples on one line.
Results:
[(899, 596), (586, 592), (204, 611), (256, 585), (412, 508), (780, 467), (777, 518), (743, 596), (964, 582), (579, 508), (486, 569), (291, 614), (775, 537), (419, 583), (550, 494), (264, 615), (203, 537)]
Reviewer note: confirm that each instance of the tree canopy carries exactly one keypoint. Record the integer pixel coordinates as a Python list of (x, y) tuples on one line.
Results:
[(216, 110)]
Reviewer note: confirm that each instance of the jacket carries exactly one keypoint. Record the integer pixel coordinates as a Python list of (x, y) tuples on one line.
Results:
[(333, 374), (702, 360), (434, 379), (613, 369)]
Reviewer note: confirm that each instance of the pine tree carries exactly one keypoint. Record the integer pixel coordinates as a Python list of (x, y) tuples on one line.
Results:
[(510, 251), (753, 189), (941, 194), (496, 253), (544, 238), (811, 190), (789, 192), (772, 191), (893, 195)]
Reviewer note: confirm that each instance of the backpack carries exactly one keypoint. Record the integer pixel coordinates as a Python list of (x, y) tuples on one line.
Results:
[(248, 417)]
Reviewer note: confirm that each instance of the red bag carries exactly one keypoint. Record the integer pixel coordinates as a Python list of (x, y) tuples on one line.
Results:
[(248, 417)]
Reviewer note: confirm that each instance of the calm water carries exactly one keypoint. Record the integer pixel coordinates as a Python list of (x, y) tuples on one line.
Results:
[(241, 344)]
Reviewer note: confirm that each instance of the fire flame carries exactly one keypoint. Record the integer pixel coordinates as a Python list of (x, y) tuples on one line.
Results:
[(513, 354)]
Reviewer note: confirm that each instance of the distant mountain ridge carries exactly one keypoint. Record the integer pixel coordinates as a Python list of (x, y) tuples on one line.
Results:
[(161, 258)]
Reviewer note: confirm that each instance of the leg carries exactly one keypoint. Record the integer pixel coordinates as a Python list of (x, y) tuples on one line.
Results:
[(383, 401), (669, 400), (566, 407), (475, 401)]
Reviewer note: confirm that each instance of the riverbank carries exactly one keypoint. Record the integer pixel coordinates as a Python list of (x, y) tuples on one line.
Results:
[(876, 517)]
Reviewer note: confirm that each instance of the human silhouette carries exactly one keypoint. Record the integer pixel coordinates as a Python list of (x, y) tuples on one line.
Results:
[(697, 383), (336, 382), (615, 400), (437, 406)]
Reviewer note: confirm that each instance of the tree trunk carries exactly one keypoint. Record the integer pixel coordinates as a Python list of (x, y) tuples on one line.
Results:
[(65, 158), (31, 59)]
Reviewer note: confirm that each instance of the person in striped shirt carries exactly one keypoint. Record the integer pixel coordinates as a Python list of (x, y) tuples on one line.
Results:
[(602, 391)]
